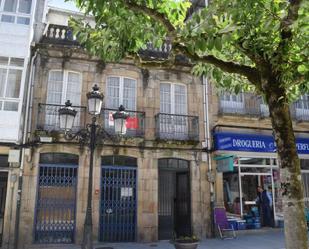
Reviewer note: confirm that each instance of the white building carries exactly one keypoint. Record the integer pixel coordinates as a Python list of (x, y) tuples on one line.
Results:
[(19, 21)]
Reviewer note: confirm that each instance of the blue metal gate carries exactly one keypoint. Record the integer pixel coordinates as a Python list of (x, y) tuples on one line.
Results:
[(118, 204), (56, 202)]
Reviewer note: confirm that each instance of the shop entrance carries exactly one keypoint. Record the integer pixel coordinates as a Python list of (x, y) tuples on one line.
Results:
[(3, 188), (240, 186), (174, 198)]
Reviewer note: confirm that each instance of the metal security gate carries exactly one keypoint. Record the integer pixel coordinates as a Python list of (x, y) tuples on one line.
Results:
[(118, 204), (56, 202)]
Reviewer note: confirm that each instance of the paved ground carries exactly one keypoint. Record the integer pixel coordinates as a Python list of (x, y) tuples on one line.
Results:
[(262, 239)]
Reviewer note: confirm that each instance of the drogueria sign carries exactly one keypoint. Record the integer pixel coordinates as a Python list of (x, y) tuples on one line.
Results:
[(252, 142)]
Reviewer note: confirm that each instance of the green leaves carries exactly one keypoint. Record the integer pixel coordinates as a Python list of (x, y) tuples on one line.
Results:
[(230, 30)]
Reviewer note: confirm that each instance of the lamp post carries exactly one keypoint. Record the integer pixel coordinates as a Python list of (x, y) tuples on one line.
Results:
[(90, 135)]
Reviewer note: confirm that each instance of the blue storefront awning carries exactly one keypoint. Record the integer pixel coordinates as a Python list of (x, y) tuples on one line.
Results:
[(253, 143)]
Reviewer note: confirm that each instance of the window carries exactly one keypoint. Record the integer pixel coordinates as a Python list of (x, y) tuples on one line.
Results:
[(15, 11), (121, 91), (11, 70), (62, 86)]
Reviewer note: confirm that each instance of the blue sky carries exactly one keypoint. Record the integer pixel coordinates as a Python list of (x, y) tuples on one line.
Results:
[(62, 4)]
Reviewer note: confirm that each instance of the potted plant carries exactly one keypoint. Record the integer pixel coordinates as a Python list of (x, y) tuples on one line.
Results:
[(186, 242)]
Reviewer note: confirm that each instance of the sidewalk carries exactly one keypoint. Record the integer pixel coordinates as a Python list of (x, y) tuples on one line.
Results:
[(267, 239)]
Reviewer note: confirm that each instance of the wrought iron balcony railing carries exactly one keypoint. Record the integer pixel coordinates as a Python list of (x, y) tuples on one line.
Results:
[(177, 127), (59, 34), (242, 104), (135, 123), (48, 117)]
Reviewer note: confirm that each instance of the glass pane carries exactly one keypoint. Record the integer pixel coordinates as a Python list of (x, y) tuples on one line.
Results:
[(23, 20), (112, 98), (74, 88), (6, 18), (231, 192), (1, 105), (24, 6), (180, 99), (129, 92), (2, 80), (165, 98), (18, 62), (10, 106), (10, 5), (54, 88), (4, 60), (13, 84)]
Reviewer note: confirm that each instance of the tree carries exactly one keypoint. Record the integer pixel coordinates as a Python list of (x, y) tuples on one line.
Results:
[(243, 45)]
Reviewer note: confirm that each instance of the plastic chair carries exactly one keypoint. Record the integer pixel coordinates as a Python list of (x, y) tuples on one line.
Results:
[(226, 231)]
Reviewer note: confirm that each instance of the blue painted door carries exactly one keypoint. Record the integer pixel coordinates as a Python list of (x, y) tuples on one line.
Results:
[(56, 203), (118, 204)]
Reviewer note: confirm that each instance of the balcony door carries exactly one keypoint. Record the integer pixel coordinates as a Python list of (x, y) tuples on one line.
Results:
[(173, 103), (302, 107), (120, 91), (62, 86)]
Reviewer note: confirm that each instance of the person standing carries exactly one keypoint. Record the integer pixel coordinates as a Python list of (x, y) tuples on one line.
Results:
[(264, 201)]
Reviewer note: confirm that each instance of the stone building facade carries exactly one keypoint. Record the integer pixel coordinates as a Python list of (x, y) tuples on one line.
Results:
[(148, 186)]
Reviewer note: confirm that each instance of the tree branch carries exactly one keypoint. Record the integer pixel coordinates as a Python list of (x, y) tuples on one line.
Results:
[(152, 13), (286, 24), (250, 73)]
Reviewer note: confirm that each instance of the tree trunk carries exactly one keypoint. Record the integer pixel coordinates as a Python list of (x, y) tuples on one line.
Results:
[(295, 227)]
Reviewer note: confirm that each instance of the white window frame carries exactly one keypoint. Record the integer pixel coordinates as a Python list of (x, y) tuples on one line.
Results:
[(121, 89), (172, 84), (8, 67), (301, 109), (16, 14), (232, 104), (64, 83)]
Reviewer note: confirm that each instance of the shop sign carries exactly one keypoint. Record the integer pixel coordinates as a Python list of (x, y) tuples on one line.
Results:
[(253, 143), (225, 163)]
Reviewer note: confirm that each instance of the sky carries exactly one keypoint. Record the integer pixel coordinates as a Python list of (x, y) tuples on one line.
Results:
[(62, 4)]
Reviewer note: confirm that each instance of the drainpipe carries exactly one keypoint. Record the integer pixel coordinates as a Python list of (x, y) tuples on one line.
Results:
[(27, 126), (208, 146)]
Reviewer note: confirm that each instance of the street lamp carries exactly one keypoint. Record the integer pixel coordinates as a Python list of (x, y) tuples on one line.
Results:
[(90, 135)]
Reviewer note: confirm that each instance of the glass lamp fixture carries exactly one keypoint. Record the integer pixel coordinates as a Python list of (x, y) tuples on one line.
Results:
[(66, 116), (95, 100), (120, 120)]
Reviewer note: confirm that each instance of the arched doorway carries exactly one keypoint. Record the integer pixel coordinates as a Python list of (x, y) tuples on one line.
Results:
[(174, 208), (56, 198), (118, 208)]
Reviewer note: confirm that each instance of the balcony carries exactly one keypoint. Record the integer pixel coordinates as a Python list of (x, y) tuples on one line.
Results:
[(177, 127), (135, 122), (48, 117), (248, 104), (58, 34)]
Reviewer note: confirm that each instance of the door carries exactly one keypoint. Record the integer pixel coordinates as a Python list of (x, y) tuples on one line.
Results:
[(118, 204), (182, 205), (174, 204), (3, 188), (56, 202)]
